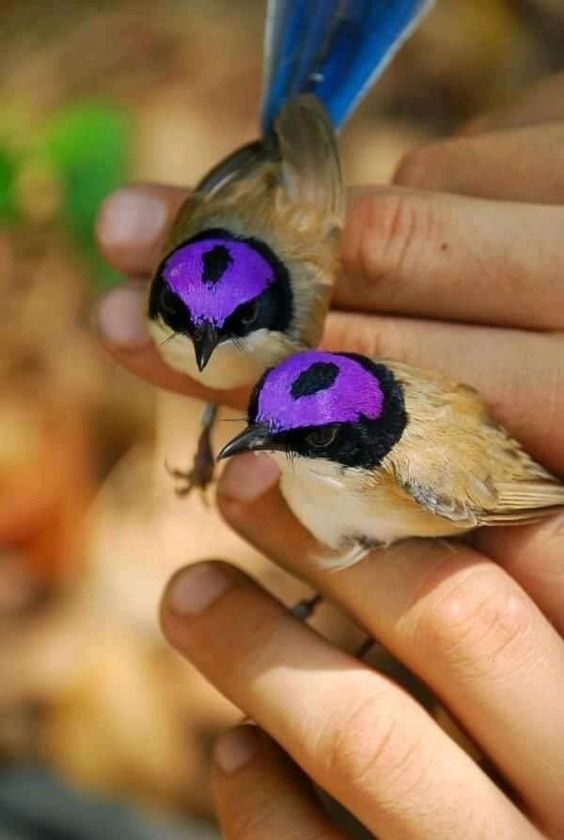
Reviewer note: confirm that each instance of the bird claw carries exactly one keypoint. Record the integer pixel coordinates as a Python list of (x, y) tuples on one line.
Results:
[(193, 479), (305, 609), (201, 474), (365, 648), (199, 477)]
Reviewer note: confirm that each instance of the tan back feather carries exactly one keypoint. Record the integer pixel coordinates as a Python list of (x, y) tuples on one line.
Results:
[(455, 461)]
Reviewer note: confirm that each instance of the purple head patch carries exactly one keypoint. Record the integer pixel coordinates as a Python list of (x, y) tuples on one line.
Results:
[(316, 388), (215, 275)]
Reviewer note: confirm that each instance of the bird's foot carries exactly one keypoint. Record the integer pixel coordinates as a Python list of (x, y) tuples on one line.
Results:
[(197, 478), (201, 474)]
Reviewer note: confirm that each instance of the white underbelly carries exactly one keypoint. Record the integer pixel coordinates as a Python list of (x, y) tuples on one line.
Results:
[(229, 367), (338, 513)]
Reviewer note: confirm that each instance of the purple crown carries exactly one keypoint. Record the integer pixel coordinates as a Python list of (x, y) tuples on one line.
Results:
[(215, 275), (317, 388)]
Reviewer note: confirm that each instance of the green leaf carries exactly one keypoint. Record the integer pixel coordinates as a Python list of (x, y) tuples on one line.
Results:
[(88, 145), (8, 169)]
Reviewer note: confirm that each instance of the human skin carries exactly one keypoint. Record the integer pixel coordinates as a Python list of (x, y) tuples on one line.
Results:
[(462, 261)]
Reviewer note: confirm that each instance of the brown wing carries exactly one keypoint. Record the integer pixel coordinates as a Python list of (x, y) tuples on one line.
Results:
[(455, 461)]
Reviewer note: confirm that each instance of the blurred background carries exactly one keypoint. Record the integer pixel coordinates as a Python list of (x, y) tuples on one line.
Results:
[(102, 728)]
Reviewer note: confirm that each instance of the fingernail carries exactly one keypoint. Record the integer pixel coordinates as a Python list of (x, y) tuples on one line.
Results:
[(131, 216), (236, 748), (120, 318), (248, 476), (195, 588)]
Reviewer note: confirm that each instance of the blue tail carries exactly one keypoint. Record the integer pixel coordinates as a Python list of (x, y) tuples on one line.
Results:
[(335, 49)]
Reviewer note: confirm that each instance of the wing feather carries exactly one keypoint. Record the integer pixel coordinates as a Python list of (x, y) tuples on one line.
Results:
[(309, 157), (456, 462)]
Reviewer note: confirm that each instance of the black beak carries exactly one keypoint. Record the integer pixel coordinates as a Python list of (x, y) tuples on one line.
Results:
[(205, 339), (252, 439)]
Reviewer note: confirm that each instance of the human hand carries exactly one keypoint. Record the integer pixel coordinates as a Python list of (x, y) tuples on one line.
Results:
[(460, 622), (466, 626), (469, 628)]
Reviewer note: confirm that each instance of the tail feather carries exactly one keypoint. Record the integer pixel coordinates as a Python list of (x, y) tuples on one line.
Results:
[(300, 152), (335, 49), (309, 157), (239, 164)]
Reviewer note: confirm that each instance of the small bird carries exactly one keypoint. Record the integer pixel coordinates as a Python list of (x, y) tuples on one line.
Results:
[(247, 273), (373, 452)]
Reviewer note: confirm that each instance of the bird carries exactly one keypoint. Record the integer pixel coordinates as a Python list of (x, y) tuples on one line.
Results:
[(246, 275), (374, 452)]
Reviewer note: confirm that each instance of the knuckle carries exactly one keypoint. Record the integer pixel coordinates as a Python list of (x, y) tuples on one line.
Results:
[(427, 166), (478, 620), (416, 167), (371, 743), (398, 227), (549, 548), (536, 558), (370, 335), (250, 822)]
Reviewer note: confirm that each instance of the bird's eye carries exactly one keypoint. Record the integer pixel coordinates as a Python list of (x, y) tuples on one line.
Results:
[(249, 313), (323, 437), (168, 300)]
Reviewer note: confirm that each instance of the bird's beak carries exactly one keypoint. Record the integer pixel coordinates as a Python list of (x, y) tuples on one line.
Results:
[(252, 439), (205, 340)]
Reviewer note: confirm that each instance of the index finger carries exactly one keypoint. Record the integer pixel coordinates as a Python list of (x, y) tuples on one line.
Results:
[(541, 103), (405, 252), (132, 224)]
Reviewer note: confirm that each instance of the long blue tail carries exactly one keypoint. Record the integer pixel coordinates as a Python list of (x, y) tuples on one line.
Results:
[(335, 49)]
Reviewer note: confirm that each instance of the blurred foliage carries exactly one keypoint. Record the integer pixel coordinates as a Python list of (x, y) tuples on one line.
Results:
[(88, 147), (79, 157), (8, 169)]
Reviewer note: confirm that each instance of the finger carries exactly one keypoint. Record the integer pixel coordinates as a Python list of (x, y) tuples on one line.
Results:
[(459, 622), (261, 794), (353, 732), (520, 374), (426, 254), (451, 257), (132, 224), (520, 165), (541, 103), (497, 362), (533, 555), (122, 327)]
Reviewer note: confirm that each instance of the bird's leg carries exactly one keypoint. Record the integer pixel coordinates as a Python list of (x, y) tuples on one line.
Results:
[(359, 549), (363, 548), (201, 473), (365, 648), (305, 609)]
